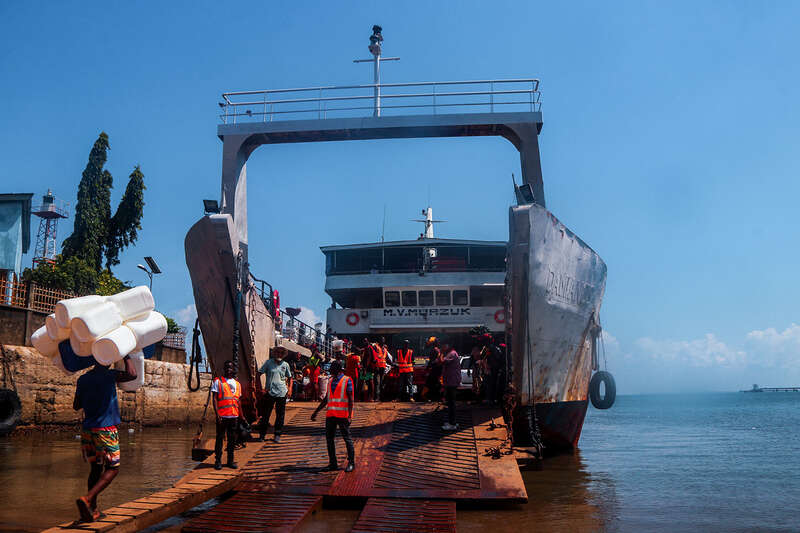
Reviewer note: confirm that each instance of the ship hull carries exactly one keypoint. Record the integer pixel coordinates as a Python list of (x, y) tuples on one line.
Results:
[(555, 287), (212, 249), (559, 423)]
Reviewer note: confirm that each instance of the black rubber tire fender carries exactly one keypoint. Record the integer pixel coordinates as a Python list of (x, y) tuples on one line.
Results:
[(606, 401), (10, 410)]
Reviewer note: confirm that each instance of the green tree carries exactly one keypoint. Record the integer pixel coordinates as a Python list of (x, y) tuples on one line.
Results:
[(71, 274), (96, 233), (122, 228), (93, 209)]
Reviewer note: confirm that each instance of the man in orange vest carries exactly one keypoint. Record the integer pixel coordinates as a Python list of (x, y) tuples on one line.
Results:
[(405, 367), (226, 393), (339, 413), (379, 367)]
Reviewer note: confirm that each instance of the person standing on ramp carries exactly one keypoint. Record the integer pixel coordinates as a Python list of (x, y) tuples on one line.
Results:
[(339, 413), (226, 393)]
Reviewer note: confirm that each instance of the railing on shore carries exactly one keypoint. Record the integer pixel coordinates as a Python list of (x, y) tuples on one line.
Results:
[(348, 101), (176, 339), (31, 296)]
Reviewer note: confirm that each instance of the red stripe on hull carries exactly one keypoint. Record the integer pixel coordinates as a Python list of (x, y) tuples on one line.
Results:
[(560, 425)]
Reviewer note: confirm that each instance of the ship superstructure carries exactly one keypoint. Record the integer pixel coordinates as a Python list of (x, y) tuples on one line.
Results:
[(415, 289)]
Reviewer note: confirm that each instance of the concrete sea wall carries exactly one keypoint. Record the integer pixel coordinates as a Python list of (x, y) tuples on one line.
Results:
[(46, 392)]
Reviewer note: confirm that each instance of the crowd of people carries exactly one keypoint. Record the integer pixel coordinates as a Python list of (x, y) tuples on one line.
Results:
[(381, 373)]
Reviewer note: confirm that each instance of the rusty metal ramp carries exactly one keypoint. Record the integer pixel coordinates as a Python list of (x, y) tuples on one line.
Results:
[(246, 512), (401, 452), (402, 516)]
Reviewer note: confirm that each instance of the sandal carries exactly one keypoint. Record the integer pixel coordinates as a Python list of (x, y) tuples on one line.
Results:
[(84, 509)]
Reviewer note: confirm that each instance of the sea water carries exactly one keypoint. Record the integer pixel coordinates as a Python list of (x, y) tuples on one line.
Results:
[(701, 462)]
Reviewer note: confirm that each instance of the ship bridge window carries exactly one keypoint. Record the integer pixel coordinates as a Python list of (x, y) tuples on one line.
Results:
[(355, 261), (442, 297), (409, 298), (460, 298), (425, 298), (487, 258), (392, 298), (486, 296), (402, 259)]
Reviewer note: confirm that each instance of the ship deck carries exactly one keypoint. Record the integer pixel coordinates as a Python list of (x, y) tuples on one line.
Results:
[(401, 454)]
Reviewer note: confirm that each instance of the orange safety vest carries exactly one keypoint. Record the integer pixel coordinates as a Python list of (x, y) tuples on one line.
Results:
[(404, 363), (379, 356), (227, 400), (337, 400)]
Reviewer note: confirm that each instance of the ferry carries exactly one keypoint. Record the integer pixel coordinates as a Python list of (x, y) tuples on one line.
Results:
[(542, 290), (415, 289)]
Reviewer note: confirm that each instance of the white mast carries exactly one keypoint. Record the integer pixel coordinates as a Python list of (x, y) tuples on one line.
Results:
[(429, 222), (375, 41)]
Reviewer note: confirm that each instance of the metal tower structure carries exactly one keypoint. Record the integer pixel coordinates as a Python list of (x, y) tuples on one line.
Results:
[(49, 212)]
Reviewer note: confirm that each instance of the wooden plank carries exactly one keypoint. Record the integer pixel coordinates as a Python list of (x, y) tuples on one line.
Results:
[(126, 511), (95, 526), (140, 505), (498, 476), (113, 518), (150, 514), (160, 500)]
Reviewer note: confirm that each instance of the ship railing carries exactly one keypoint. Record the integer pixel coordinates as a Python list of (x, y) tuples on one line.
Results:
[(176, 339), (299, 332), (412, 270), (349, 101), (265, 292), (291, 327)]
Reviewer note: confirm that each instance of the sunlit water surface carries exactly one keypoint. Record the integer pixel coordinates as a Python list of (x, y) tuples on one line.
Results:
[(705, 462)]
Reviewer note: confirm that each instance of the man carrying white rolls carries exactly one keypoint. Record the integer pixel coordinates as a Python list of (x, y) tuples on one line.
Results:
[(277, 388), (96, 394), (226, 393)]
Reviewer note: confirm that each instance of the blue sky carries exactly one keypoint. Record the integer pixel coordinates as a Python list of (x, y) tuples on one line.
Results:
[(669, 145)]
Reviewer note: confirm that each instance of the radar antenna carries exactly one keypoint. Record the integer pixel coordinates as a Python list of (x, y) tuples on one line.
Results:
[(375, 49), (429, 222)]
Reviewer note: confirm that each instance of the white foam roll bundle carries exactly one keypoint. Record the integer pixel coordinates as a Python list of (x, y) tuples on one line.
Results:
[(114, 345), (84, 349), (134, 302), (56, 332), (95, 322), (148, 330), (138, 364), (42, 342), (66, 310), (56, 360)]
